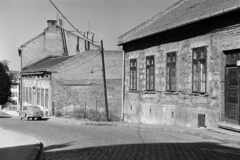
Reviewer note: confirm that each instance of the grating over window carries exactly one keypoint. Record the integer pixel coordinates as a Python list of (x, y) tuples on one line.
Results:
[(27, 94), (171, 71), (23, 93), (150, 74), (30, 95), (133, 74), (38, 96), (199, 66), (46, 97), (42, 97)]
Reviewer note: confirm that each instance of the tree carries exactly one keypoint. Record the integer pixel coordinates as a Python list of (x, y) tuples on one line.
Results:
[(5, 83)]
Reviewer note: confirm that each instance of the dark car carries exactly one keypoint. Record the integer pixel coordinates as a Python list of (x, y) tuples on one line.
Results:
[(31, 111)]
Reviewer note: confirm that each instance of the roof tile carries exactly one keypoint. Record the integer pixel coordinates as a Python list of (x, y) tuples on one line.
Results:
[(178, 14)]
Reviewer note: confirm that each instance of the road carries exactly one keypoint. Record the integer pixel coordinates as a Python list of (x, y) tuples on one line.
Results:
[(69, 141)]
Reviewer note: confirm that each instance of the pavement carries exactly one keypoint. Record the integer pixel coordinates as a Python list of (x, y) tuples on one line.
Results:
[(222, 135), (17, 146)]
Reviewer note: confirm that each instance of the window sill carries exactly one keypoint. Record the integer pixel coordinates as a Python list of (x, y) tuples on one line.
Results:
[(199, 94), (133, 91), (171, 93), (150, 92)]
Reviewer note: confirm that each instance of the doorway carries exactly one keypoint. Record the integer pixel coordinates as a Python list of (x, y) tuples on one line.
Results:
[(232, 84)]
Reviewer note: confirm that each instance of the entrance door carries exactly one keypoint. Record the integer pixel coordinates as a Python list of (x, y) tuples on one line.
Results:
[(232, 95)]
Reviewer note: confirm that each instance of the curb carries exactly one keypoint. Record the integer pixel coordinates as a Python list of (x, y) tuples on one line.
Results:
[(36, 151), (198, 134)]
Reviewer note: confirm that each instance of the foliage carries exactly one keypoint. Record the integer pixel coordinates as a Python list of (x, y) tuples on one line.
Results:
[(5, 81)]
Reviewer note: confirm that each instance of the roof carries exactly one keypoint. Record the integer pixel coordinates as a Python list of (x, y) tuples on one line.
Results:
[(179, 14), (45, 65)]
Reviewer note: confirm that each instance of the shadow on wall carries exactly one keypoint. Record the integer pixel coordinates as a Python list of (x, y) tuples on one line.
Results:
[(181, 151)]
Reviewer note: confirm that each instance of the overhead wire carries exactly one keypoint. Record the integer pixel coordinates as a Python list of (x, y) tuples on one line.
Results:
[(80, 64), (89, 40), (94, 71)]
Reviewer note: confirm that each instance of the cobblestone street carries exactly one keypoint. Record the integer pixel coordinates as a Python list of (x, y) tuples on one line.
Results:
[(69, 141)]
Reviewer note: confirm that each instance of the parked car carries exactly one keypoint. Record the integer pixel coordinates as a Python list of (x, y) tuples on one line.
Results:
[(31, 111)]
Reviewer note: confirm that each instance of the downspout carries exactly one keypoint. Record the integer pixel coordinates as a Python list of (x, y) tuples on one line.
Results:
[(123, 85)]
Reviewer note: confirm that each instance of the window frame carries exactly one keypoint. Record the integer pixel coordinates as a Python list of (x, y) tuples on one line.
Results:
[(148, 77), (133, 78), (200, 59), (169, 64)]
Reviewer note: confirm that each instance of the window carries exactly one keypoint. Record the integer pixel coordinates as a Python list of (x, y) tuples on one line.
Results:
[(133, 74), (199, 66), (150, 73), (42, 97), (26, 94), (38, 96), (30, 95), (46, 97), (171, 71), (23, 93)]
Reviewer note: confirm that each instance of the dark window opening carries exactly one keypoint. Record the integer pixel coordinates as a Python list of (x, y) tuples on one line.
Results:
[(199, 68), (171, 71), (150, 73), (133, 74)]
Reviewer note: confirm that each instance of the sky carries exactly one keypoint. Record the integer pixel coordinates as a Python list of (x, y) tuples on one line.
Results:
[(21, 20)]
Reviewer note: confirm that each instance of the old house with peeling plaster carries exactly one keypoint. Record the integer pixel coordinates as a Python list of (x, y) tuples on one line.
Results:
[(182, 66), (56, 71)]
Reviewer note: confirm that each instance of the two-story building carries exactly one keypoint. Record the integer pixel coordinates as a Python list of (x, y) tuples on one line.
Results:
[(56, 73)]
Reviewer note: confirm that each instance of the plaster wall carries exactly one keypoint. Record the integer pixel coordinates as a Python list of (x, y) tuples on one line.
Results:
[(181, 107), (34, 82), (75, 87)]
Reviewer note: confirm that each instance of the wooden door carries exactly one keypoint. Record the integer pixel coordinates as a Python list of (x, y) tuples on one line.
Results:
[(232, 95)]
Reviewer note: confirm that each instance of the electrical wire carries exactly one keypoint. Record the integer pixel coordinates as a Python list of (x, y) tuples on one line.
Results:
[(94, 71), (73, 25), (80, 64)]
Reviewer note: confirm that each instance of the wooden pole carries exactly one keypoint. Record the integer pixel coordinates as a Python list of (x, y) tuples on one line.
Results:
[(104, 81)]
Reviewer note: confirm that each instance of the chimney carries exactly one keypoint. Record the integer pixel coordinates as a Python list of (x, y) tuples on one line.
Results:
[(52, 25)]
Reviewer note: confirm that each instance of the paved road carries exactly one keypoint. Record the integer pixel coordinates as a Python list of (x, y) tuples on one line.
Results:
[(66, 141)]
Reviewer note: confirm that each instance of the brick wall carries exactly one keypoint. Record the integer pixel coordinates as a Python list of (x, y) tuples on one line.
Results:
[(181, 107)]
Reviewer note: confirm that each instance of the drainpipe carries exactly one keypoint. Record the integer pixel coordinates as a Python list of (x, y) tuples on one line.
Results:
[(123, 86)]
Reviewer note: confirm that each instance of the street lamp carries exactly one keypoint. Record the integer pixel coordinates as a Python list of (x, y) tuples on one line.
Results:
[(105, 90), (96, 66)]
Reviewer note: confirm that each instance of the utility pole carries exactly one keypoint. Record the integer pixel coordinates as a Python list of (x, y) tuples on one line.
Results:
[(104, 81), (20, 88)]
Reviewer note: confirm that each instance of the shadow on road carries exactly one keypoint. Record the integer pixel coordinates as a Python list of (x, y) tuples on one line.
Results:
[(57, 146), (5, 116), (156, 151), (16, 152)]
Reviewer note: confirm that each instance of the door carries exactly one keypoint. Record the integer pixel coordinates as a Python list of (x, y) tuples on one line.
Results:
[(232, 95)]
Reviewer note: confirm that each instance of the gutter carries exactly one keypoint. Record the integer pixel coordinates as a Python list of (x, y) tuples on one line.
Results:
[(193, 20)]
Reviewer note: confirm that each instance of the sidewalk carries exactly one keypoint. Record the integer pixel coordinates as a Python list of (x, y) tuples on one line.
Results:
[(16, 146), (207, 133)]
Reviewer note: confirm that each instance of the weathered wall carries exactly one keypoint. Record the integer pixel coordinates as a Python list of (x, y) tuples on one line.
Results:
[(38, 81), (181, 107), (75, 86), (49, 43)]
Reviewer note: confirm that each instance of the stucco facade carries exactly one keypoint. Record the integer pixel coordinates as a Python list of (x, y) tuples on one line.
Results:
[(220, 37), (78, 85), (39, 55)]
